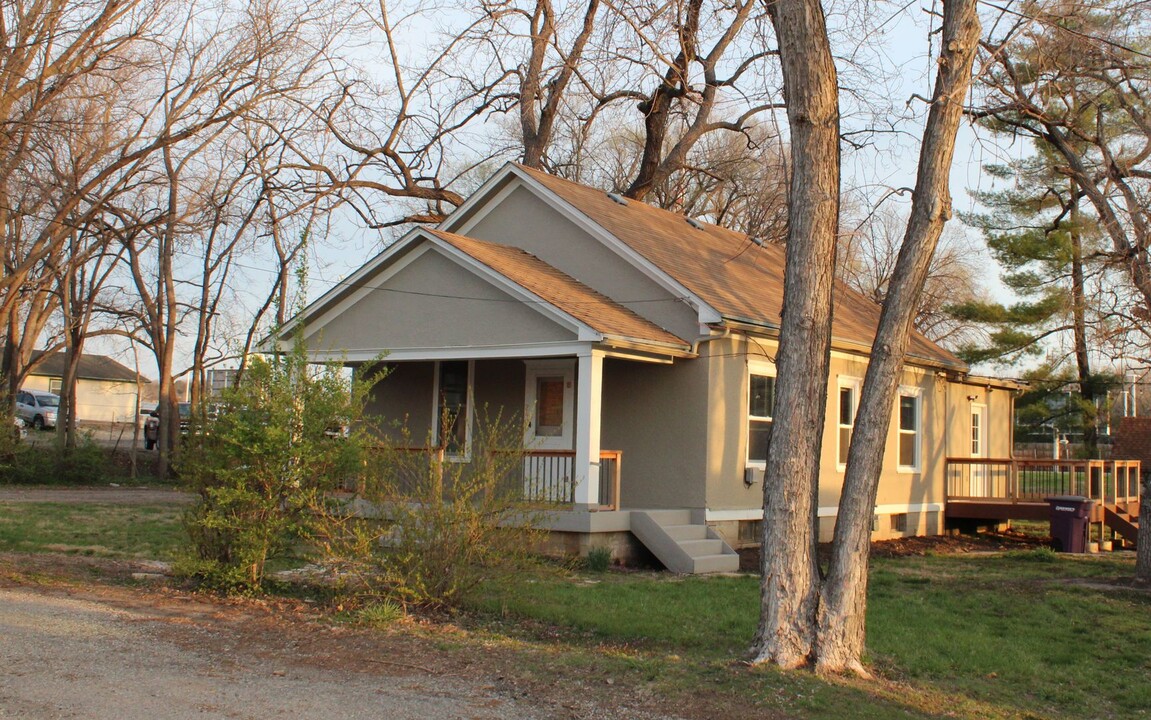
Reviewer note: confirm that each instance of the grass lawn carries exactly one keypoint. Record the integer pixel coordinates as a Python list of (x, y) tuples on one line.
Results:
[(103, 530), (1020, 635)]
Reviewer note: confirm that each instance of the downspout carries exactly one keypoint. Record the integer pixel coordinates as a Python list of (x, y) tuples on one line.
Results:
[(708, 338)]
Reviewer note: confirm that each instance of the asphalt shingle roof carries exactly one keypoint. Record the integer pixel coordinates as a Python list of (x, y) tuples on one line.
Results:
[(92, 367), (741, 279)]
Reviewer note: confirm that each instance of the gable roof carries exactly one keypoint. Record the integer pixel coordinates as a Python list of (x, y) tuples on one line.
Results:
[(563, 292), (92, 367), (740, 278)]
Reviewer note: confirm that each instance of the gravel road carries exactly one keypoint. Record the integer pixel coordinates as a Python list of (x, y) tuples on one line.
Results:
[(67, 657), (111, 494)]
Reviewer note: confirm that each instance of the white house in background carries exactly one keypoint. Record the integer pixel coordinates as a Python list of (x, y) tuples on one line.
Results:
[(638, 345), (106, 391)]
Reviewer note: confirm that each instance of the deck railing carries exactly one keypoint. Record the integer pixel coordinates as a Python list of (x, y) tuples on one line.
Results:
[(541, 476), (1023, 480)]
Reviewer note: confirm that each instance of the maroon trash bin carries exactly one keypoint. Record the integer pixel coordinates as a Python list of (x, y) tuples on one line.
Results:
[(1070, 522)]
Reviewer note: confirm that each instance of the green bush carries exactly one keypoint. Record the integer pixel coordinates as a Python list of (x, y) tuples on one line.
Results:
[(598, 559), (280, 442), (25, 463)]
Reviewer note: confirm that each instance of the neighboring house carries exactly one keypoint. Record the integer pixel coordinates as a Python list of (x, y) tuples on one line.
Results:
[(106, 391), (639, 346), (219, 380), (1133, 441)]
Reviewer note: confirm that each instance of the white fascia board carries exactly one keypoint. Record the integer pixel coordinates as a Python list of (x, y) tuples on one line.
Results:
[(462, 352), (707, 314), (830, 511), (584, 332)]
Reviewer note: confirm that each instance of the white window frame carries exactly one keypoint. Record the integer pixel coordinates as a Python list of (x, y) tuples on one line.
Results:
[(466, 455), (536, 369), (763, 369), (854, 384), (915, 393)]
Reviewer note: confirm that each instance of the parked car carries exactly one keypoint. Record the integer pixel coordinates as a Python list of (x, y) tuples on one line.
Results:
[(152, 424), (37, 408)]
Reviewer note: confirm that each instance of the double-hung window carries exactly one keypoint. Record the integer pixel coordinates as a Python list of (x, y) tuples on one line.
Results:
[(847, 404), (453, 395), (910, 428), (760, 401)]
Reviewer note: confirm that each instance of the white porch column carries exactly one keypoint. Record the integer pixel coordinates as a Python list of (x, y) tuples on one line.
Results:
[(589, 391)]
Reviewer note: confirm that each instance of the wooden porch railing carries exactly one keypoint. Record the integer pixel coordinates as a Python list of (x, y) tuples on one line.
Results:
[(1031, 481), (543, 476)]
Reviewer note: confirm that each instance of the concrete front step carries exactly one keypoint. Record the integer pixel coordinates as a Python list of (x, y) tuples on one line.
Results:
[(681, 546)]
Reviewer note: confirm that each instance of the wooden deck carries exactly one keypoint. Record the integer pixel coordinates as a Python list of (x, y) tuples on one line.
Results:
[(999, 489)]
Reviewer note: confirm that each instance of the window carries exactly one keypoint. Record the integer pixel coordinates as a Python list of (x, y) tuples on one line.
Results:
[(848, 401), (910, 410), (54, 385), (453, 390), (760, 401), (899, 522)]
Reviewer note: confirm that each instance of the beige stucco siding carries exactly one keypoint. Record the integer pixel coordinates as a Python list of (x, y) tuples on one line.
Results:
[(656, 414), (943, 430), (97, 400), (433, 302), (527, 222)]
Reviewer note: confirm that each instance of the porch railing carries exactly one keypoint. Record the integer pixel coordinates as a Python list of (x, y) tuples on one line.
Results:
[(541, 476), (1025, 480)]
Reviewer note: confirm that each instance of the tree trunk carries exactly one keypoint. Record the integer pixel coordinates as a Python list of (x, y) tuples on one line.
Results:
[(1087, 389), (789, 588), (841, 631), (1143, 546)]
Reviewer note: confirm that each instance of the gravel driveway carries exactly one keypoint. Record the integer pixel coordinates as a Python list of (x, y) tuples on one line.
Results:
[(65, 657)]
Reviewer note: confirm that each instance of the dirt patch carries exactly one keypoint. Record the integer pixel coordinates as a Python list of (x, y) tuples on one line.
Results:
[(298, 637), (928, 545)]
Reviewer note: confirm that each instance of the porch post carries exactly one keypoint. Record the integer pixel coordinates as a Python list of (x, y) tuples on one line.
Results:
[(589, 391)]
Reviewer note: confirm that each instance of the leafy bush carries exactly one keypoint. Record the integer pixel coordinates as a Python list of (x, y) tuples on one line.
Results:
[(426, 531), (280, 442), (25, 463)]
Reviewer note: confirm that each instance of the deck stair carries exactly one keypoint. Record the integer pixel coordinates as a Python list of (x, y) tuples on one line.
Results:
[(1123, 521), (682, 546)]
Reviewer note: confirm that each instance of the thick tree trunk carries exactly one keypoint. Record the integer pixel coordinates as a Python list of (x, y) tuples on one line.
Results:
[(1143, 548), (789, 587), (843, 603)]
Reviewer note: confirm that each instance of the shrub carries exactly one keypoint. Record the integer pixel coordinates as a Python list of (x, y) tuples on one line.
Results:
[(598, 559), (426, 531), (267, 459)]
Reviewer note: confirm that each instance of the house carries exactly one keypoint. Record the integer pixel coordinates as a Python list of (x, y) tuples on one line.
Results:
[(638, 346), (106, 391)]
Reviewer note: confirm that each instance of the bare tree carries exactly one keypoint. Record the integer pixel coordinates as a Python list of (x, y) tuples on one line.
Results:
[(868, 251), (803, 620)]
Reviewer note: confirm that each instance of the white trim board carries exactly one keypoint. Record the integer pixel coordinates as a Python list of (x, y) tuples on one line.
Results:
[(757, 513)]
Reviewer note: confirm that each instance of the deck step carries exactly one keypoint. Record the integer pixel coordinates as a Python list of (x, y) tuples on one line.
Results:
[(1121, 522), (681, 546)]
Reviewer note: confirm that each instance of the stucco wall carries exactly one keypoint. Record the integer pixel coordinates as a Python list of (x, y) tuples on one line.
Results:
[(656, 414), (432, 302), (944, 431), (527, 222), (98, 400)]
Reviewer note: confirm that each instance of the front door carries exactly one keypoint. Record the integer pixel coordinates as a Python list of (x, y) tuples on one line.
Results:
[(549, 414), (980, 477), (549, 405)]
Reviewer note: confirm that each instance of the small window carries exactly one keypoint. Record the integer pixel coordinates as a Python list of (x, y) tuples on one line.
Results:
[(848, 404), (760, 402), (54, 385), (910, 411), (899, 522)]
